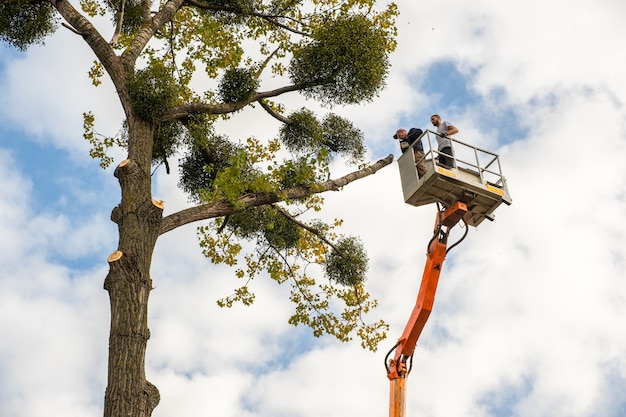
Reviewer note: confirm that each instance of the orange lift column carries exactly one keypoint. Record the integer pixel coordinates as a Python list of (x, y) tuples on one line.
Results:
[(397, 367)]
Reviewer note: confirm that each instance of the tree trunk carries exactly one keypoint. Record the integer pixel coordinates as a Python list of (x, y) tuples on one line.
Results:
[(128, 282)]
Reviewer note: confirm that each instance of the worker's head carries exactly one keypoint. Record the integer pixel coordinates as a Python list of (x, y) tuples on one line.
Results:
[(435, 120), (400, 134)]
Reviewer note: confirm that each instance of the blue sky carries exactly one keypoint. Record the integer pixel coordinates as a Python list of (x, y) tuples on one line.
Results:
[(64, 188), (450, 88), (530, 307)]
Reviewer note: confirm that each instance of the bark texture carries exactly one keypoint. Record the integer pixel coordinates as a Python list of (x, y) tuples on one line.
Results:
[(129, 284)]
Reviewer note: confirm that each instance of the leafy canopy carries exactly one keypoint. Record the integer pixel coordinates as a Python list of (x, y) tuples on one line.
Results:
[(180, 67)]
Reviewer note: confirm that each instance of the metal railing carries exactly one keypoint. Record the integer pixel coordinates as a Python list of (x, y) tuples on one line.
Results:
[(467, 157)]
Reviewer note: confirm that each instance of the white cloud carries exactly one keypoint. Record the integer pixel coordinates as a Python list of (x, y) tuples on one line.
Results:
[(49, 90), (52, 320)]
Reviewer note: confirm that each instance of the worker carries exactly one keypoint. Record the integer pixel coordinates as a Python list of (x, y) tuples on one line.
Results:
[(413, 138), (444, 129)]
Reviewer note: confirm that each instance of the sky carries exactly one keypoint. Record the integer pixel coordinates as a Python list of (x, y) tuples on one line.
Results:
[(529, 314)]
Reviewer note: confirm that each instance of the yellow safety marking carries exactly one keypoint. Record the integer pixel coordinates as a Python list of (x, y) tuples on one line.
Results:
[(495, 190), (446, 172)]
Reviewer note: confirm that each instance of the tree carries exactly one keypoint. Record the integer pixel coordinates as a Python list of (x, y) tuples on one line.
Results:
[(332, 51)]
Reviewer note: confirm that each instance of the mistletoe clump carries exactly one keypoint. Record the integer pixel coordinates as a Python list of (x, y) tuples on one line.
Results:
[(153, 90), (347, 262), (26, 22)]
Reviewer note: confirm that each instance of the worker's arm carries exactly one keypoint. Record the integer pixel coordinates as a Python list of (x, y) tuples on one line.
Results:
[(452, 130)]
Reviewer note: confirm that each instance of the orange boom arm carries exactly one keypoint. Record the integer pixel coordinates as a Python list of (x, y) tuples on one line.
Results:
[(397, 369)]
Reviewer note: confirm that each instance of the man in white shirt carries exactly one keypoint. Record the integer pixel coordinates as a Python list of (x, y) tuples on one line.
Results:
[(444, 129)]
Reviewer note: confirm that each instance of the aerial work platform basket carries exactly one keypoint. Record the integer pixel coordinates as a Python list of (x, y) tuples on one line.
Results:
[(476, 179)]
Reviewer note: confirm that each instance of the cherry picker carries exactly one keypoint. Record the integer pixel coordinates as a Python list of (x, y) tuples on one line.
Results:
[(468, 193)]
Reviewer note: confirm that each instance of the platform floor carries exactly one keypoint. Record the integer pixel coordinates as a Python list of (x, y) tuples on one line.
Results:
[(449, 185)]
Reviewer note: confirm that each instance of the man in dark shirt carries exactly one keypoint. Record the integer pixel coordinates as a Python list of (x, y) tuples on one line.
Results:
[(409, 138)]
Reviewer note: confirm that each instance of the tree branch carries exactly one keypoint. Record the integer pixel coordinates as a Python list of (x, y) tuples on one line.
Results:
[(265, 62), (147, 31), (305, 226), (100, 47), (222, 208), (188, 109), (118, 24), (274, 113), (267, 17), (65, 25)]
